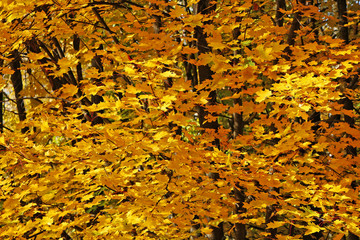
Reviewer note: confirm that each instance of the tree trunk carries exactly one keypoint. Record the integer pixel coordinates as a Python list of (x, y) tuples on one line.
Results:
[(205, 73), (1, 112), (1, 104), (295, 26), (342, 12), (348, 104), (17, 83), (279, 18)]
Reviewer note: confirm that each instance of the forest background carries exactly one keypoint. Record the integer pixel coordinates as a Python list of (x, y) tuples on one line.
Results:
[(187, 119)]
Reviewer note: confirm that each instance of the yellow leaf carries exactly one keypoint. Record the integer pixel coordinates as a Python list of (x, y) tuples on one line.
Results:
[(192, 2), (87, 197), (305, 107), (168, 98), (160, 135), (264, 53), (91, 89), (46, 221), (275, 224), (217, 45), (45, 126), (131, 89), (132, 218), (129, 70), (151, 64), (146, 96), (312, 229), (88, 56), (228, 162), (262, 95), (168, 74), (194, 20), (36, 56), (335, 188), (48, 196), (68, 90), (206, 230), (66, 63)]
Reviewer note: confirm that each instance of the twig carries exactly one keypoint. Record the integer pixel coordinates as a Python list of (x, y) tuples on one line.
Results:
[(102, 21)]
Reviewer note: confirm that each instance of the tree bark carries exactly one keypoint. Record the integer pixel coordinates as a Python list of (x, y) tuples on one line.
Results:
[(1, 104), (240, 228), (279, 17), (17, 83), (237, 127), (205, 73), (342, 12), (348, 104), (1, 112), (295, 26)]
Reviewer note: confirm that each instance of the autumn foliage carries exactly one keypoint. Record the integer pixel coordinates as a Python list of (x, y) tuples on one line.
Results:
[(179, 119)]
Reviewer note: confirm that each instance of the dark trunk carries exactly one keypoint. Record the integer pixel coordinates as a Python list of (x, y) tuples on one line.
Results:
[(205, 73), (352, 236), (295, 26), (237, 126), (1, 112), (1, 104), (348, 104), (17, 83), (342, 11), (270, 216), (240, 229), (76, 44), (279, 18)]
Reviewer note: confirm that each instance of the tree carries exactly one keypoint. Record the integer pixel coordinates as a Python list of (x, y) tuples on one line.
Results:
[(179, 119)]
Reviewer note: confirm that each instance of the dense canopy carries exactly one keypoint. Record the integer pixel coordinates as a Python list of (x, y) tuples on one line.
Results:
[(185, 119)]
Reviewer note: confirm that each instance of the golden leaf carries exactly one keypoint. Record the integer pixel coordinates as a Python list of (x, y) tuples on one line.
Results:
[(68, 90), (312, 229), (262, 95), (206, 230)]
